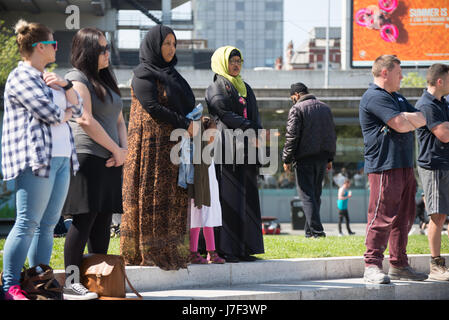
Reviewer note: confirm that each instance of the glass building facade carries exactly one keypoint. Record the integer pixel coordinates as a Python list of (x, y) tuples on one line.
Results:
[(253, 26)]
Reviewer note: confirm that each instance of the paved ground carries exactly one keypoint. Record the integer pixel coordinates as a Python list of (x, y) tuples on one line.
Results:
[(331, 229)]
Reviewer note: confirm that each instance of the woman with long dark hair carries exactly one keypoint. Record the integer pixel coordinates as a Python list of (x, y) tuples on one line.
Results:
[(101, 143), (154, 229)]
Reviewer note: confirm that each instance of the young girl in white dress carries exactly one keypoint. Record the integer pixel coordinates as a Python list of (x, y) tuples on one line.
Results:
[(206, 218)]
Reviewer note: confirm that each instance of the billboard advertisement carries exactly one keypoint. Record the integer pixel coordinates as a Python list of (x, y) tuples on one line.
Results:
[(416, 31)]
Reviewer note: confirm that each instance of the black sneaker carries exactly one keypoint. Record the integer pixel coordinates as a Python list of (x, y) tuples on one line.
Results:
[(320, 234), (78, 292)]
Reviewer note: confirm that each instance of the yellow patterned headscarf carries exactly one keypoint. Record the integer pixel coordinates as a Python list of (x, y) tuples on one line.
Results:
[(219, 65)]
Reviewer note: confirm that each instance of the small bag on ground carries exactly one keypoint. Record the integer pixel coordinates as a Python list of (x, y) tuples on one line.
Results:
[(106, 275), (39, 283)]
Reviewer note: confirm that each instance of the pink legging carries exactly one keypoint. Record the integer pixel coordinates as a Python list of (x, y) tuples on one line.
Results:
[(208, 233)]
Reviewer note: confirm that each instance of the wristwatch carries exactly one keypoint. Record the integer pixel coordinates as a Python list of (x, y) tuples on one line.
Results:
[(68, 86)]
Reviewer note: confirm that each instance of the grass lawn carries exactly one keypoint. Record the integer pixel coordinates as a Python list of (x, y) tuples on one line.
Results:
[(282, 247)]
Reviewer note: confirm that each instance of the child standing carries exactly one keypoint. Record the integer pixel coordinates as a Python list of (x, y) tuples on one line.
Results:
[(206, 218), (342, 203), (203, 216)]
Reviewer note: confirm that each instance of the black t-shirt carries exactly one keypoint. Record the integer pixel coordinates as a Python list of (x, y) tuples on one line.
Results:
[(433, 154), (385, 148)]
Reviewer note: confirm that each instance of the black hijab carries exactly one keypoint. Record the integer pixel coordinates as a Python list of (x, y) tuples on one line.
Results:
[(153, 66)]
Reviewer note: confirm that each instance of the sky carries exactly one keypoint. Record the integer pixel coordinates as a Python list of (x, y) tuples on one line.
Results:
[(300, 16)]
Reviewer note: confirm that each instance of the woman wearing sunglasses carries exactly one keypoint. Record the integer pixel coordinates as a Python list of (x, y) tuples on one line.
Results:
[(95, 193), (37, 149)]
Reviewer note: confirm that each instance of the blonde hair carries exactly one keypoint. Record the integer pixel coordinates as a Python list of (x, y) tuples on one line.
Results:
[(387, 61), (28, 33)]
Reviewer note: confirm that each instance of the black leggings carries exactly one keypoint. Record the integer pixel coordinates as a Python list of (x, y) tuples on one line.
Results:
[(343, 214), (91, 228)]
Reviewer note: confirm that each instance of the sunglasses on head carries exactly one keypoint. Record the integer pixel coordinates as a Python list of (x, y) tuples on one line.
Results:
[(105, 48), (53, 43)]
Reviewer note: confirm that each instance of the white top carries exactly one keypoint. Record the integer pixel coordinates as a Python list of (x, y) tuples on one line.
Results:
[(60, 133), (208, 216)]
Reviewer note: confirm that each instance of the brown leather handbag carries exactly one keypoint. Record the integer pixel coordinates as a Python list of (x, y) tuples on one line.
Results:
[(105, 274)]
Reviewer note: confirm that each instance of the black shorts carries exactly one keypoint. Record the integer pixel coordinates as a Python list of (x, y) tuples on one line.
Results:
[(343, 213)]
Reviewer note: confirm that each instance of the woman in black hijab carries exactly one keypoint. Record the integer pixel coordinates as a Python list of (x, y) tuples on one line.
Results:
[(154, 229)]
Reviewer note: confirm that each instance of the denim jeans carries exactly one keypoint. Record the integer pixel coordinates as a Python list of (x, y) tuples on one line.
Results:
[(39, 202)]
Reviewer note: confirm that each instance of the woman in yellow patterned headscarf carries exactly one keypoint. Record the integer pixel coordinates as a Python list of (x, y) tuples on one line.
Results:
[(232, 102), (220, 64)]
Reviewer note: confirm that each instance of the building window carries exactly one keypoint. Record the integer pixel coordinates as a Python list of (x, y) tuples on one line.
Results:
[(240, 44), (270, 44), (270, 25), (239, 6), (240, 25), (269, 62), (210, 6), (273, 6)]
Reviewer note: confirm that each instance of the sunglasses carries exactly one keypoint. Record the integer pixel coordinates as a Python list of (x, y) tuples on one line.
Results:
[(53, 43), (105, 48)]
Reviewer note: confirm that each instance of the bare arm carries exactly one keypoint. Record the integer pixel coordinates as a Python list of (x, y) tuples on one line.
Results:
[(407, 121), (441, 131), (52, 78), (94, 129)]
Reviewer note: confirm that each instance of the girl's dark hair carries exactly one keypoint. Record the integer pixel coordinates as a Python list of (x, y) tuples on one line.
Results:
[(84, 57)]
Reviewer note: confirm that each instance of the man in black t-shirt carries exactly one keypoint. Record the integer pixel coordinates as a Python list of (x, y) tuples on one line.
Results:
[(433, 161), (388, 122)]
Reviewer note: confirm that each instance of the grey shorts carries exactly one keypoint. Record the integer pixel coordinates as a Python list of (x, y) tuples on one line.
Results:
[(436, 190)]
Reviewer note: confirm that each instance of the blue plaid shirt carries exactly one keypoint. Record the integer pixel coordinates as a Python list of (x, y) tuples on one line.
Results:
[(28, 114)]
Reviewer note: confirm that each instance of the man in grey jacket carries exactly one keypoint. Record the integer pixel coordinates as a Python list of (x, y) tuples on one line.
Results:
[(310, 144)]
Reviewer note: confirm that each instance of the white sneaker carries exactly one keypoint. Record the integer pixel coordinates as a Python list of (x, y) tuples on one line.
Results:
[(78, 292), (374, 274)]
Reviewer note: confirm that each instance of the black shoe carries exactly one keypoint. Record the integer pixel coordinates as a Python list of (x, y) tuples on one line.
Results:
[(351, 233), (230, 258), (248, 258), (319, 235)]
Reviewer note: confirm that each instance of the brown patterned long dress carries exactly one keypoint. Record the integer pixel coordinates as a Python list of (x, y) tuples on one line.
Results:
[(154, 229)]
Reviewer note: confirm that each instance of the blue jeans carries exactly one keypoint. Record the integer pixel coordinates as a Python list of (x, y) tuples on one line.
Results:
[(39, 202)]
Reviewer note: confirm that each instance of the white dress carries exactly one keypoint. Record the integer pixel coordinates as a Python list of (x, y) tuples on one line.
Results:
[(207, 216)]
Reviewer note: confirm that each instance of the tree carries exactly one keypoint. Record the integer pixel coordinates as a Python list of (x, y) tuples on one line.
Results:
[(9, 52), (413, 80)]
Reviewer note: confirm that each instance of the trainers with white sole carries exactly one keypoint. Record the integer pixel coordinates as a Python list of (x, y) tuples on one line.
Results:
[(375, 275), (78, 292)]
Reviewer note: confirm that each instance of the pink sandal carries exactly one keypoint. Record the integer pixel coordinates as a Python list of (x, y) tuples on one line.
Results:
[(213, 257), (196, 258)]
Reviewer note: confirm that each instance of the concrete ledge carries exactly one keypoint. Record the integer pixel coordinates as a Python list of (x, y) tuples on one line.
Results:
[(263, 271), (301, 279)]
